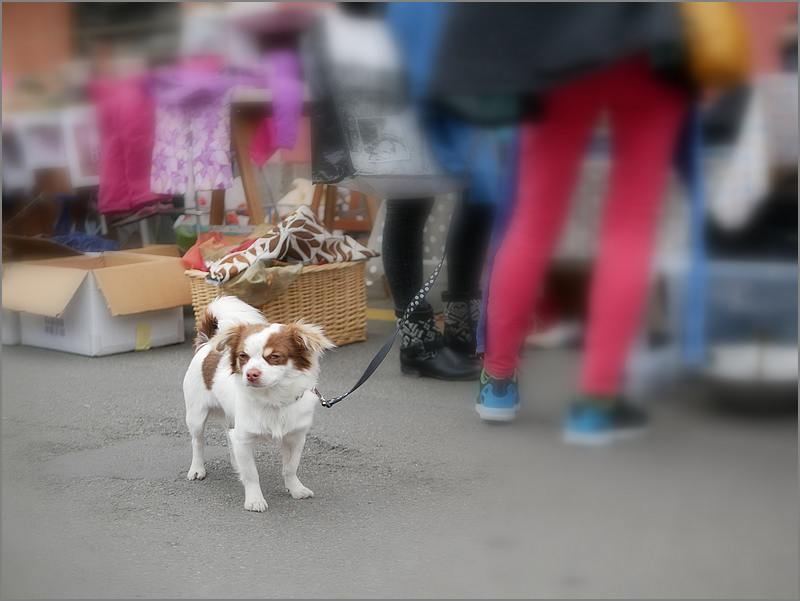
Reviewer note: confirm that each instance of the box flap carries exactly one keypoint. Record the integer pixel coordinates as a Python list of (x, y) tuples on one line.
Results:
[(40, 288), (83, 262), (166, 250), (138, 283), (25, 248)]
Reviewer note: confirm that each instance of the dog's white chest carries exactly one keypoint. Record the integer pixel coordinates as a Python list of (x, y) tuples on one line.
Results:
[(275, 423)]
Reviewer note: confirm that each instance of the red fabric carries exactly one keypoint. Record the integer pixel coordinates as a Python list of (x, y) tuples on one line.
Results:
[(645, 115), (193, 258), (126, 124), (263, 145)]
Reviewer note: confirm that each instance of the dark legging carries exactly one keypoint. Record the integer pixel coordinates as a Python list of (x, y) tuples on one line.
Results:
[(403, 248)]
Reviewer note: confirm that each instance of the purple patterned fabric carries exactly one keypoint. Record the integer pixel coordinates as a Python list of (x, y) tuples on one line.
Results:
[(192, 131), (193, 119)]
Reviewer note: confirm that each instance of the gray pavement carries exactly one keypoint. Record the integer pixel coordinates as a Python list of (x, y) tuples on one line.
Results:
[(414, 497)]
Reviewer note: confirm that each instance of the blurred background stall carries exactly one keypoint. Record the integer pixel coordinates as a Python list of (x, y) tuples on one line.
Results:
[(158, 154)]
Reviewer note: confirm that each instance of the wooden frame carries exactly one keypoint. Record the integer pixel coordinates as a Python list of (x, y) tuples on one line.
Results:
[(245, 117)]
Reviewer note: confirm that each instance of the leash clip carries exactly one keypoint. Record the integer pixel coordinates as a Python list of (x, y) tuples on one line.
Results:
[(322, 400)]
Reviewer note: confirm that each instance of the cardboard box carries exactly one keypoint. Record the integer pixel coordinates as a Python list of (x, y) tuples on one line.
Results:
[(31, 248), (11, 334), (98, 305), (164, 250)]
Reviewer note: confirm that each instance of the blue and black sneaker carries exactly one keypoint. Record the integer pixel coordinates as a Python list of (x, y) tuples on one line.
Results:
[(598, 423), (498, 399)]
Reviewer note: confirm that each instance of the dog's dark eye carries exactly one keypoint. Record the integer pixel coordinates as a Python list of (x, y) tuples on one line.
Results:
[(243, 356), (274, 358)]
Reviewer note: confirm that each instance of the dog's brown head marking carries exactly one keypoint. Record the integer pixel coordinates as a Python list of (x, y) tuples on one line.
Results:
[(297, 342), (234, 341), (286, 344)]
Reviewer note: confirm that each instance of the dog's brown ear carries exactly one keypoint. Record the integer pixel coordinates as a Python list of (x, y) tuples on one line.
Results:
[(311, 337), (230, 339)]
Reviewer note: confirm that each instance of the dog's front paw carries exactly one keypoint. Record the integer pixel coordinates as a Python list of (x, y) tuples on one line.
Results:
[(301, 492), (255, 504), (196, 473)]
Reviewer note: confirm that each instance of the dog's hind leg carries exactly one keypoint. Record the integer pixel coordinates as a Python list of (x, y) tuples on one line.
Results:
[(230, 448), (196, 417)]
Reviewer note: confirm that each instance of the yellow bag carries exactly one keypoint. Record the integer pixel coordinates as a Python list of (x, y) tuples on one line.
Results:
[(718, 51)]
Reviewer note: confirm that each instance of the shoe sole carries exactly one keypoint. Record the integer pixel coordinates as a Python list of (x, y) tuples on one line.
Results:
[(494, 414), (602, 439), (415, 372)]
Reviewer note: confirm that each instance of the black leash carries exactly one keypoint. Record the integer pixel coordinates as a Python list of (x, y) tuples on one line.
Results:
[(387, 346)]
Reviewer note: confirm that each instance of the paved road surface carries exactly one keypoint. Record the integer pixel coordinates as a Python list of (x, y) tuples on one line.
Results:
[(414, 497)]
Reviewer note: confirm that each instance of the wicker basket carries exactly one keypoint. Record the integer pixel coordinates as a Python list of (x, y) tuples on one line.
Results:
[(332, 296)]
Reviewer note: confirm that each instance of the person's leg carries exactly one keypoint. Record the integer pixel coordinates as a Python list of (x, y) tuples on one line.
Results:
[(468, 241), (402, 247), (550, 155), (402, 263), (646, 114), (421, 349)]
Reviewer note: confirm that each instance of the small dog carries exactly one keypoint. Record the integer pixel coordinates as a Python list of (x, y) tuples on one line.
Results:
[(259, 377)]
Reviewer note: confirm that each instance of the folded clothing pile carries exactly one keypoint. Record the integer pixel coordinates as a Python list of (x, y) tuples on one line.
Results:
[(298, 238), (212, 246)]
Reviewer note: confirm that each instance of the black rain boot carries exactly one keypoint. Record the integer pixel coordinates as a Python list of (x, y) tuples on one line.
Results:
[(423, 353), (461, 317)]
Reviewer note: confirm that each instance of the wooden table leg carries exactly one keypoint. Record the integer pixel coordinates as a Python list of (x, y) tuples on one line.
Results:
[(373, 205), (319, 190), (331, 195), (356, 202), (217, 216), (242, 130)]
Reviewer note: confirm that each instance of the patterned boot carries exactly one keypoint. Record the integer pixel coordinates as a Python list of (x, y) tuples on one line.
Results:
[(422, 352), (461, 317)]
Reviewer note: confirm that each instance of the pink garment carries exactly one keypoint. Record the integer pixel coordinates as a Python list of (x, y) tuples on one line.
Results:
[(645, 115), (263, 145), (210, 63), (281, 71), (126, 123)]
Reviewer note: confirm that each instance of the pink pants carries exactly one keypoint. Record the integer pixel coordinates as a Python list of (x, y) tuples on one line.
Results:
[(645, 114)]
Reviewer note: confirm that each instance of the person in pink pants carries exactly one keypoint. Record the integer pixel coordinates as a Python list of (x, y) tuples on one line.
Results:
[(645, 113)]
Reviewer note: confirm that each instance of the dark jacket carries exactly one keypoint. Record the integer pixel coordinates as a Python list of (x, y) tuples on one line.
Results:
[(524, 49)]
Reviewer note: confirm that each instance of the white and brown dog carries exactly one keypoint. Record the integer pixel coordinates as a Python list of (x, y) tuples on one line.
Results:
[(258, 377)]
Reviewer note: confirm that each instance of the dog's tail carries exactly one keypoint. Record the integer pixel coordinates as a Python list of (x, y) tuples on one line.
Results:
[(223, 313)]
